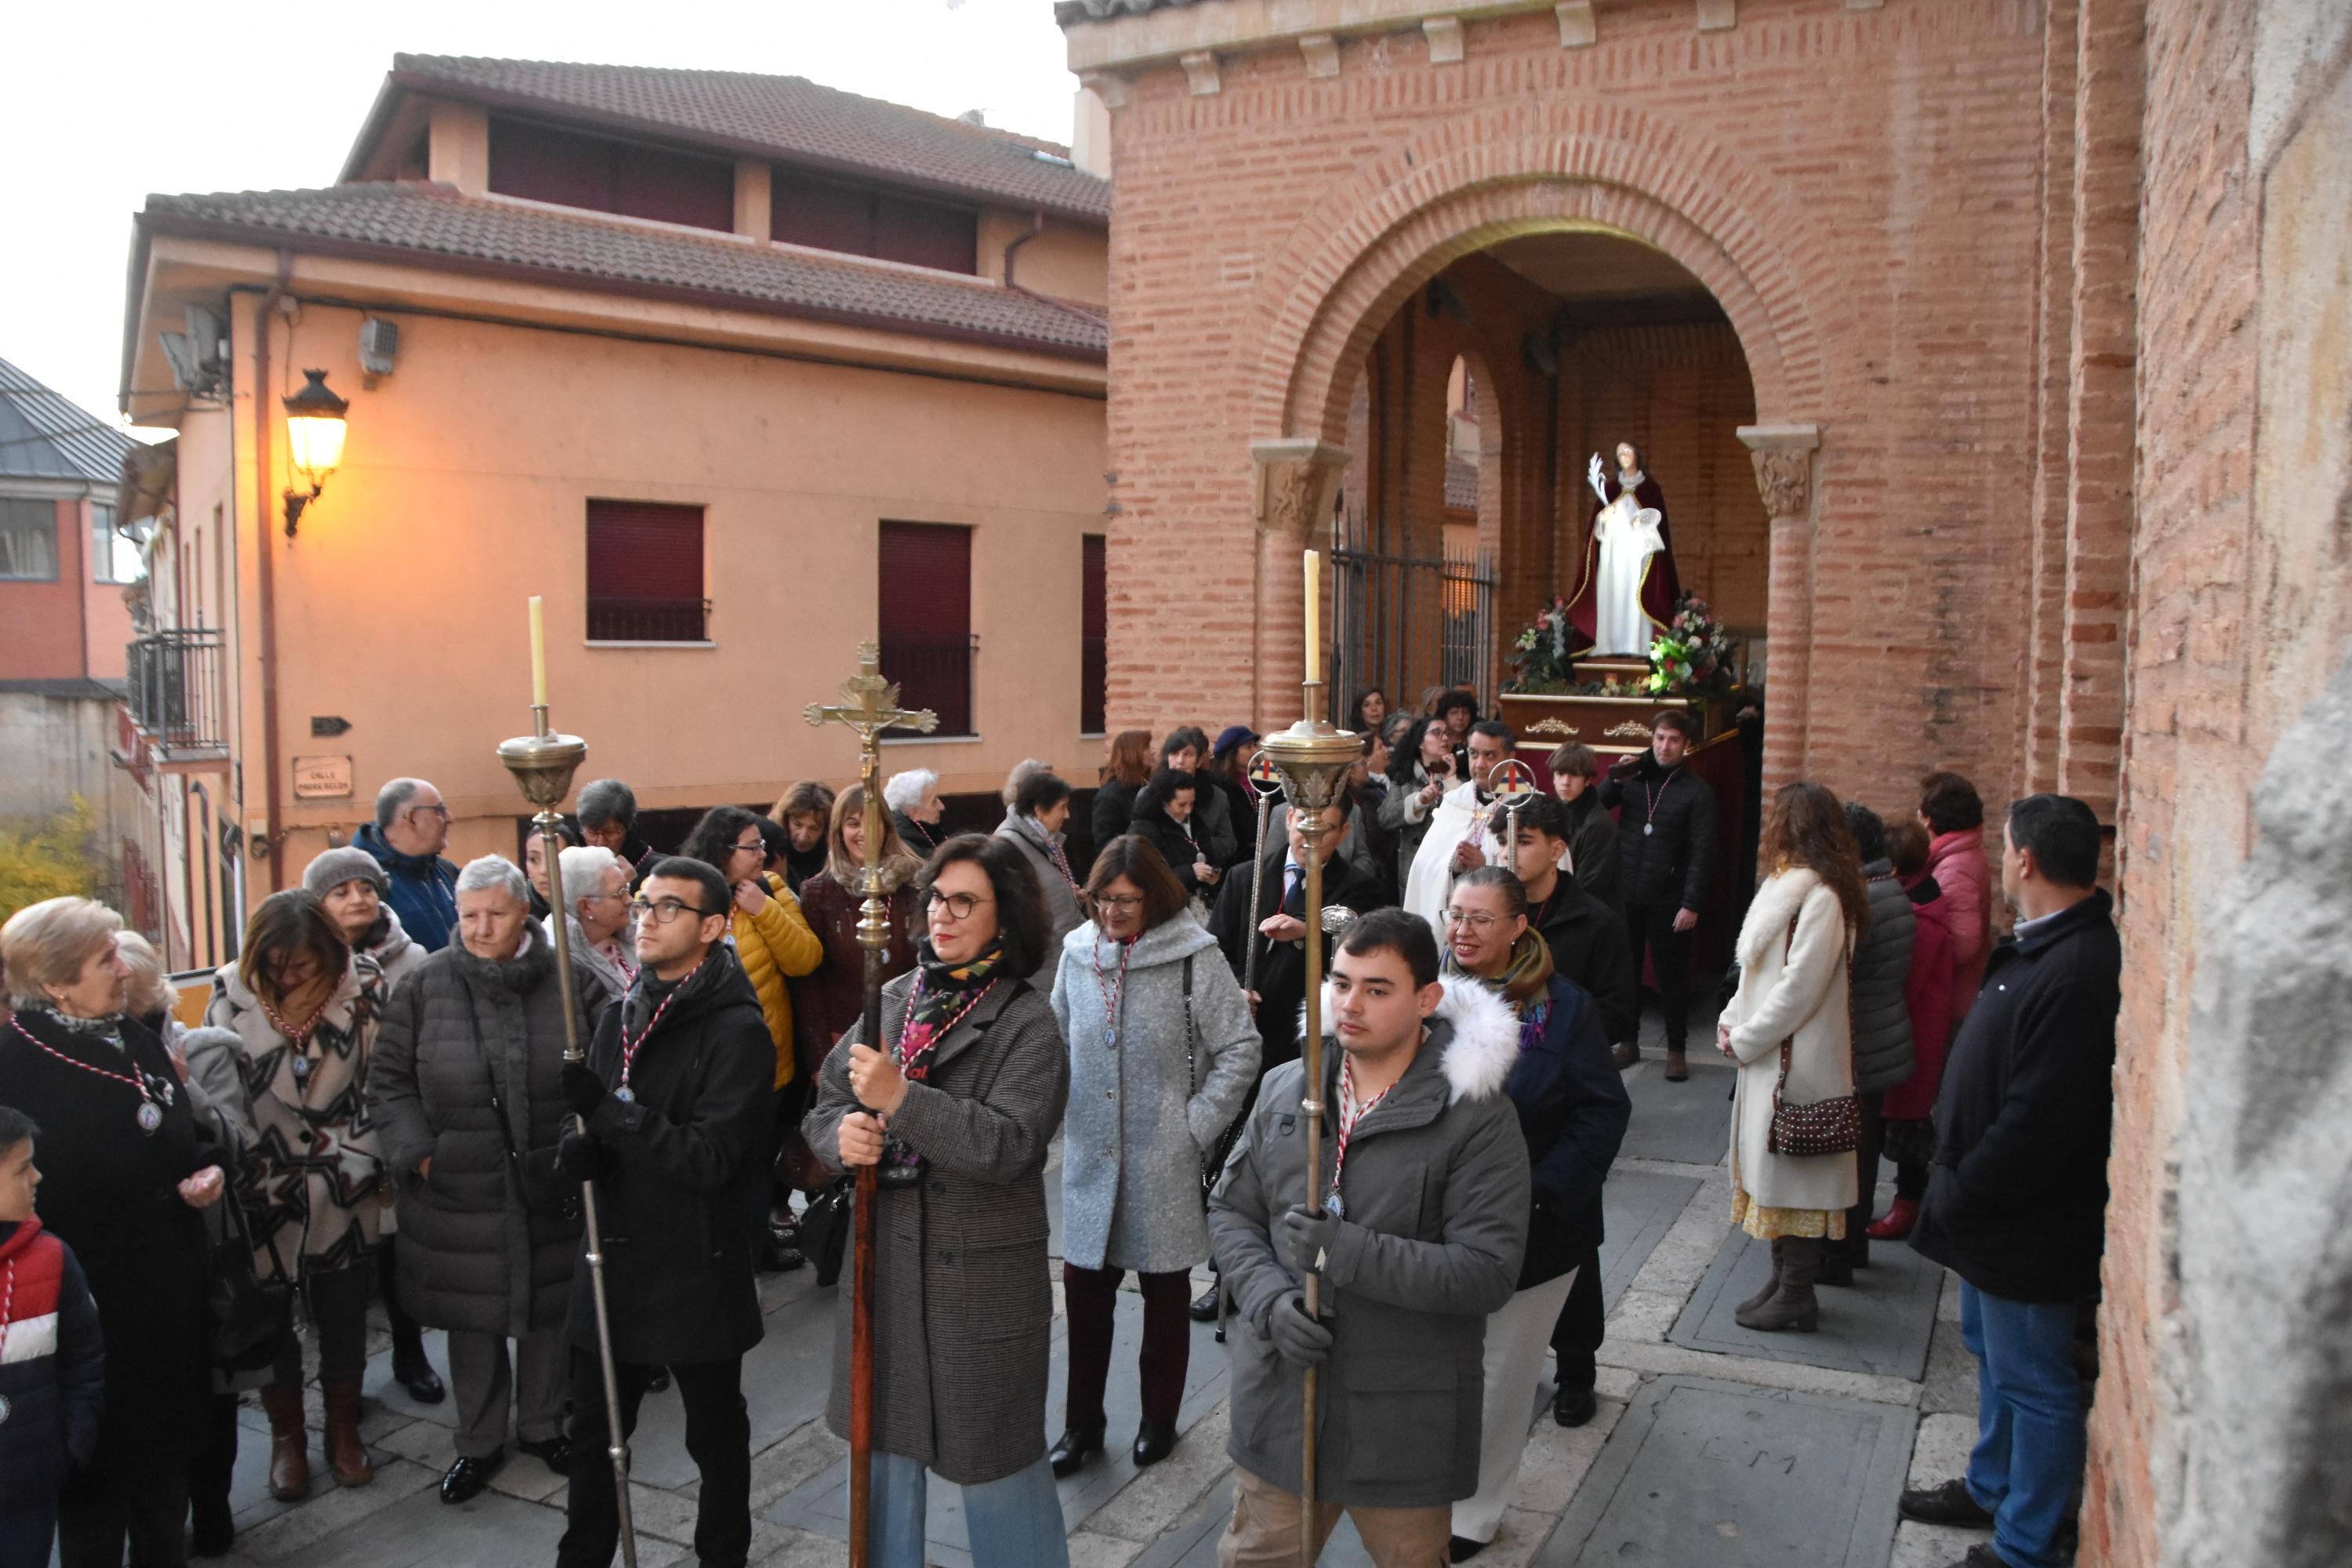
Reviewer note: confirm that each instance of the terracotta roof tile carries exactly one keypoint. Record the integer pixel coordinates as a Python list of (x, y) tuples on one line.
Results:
[(589, 250), (786, 117)]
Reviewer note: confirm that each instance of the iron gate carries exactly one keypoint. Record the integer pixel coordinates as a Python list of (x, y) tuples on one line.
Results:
[(1403, 621)]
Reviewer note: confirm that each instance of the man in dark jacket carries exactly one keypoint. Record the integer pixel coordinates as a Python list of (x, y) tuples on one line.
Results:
[(1665, 834), (1278, 930), (410, 830), (1594, 859), (1406, 1282), (1588, 949), (2017, 1193), (676, 1100)]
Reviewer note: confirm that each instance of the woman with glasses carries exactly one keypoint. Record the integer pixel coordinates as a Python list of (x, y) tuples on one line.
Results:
[(1162, 1052), (304, 1008), (1421, 771), (773, 941), (964, 1096), (1572, 1111)]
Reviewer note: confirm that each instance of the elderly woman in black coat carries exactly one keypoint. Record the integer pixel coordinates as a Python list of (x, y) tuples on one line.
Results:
[(963, 1101), (125, 1169), (466, 1093), (1164, 814)]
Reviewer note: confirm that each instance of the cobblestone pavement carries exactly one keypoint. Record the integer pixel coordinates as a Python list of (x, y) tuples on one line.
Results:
[(1712, 1447)]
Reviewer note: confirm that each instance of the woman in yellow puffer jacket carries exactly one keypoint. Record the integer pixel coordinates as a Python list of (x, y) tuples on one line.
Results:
[(771, 935)]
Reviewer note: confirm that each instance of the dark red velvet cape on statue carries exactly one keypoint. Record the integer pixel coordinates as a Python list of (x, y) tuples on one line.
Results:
[(1659, 584)]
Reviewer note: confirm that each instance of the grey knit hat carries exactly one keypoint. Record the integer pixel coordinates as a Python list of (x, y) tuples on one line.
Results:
[(349, 864)]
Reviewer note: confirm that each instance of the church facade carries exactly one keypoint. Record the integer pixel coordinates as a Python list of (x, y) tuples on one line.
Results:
[(1951, 332)]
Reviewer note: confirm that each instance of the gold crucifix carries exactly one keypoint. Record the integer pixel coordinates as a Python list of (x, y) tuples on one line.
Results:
[(872, 706)]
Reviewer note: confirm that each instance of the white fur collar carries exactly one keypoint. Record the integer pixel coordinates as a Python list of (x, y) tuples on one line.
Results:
[(1484, 1044), (1776, 903)]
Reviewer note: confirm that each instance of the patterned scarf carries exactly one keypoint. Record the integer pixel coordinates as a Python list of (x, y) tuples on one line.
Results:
[(1526, 984), (943, 993)]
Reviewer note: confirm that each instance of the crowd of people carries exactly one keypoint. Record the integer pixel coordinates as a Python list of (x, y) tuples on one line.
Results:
[(380, 1086)]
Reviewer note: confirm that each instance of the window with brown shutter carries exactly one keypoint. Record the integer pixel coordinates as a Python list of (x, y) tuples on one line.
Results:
[(544, 163), (827, 215), (644, 573), (925, 621), (1094, 634)]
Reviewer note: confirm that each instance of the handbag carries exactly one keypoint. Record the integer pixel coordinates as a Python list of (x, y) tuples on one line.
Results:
[(1826, 1126), (247, 1317), (825, 1229), (547, 1192), (1213, 1163)]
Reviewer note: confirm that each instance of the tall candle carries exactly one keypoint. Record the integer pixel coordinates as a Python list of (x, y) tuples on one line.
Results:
[(538, 653), (1314, 613)]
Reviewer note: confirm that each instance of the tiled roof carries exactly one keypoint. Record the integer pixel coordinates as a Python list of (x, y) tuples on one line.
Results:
[(435, 225), (1068, 11), (786, 117), (43, 435)]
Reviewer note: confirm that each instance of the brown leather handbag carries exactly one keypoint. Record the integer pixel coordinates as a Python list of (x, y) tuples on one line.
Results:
[(1826, 1126)]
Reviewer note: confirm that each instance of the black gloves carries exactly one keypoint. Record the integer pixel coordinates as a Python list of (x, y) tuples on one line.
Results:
[(1297, 1338), (1304, 1237), (579, 1157), (584, 1092)]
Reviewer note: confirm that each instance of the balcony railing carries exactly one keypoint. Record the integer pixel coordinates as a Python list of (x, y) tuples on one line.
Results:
[(173, 691), (648, 620)]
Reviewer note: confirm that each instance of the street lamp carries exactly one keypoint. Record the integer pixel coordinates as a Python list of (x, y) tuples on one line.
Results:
[(314, 441)]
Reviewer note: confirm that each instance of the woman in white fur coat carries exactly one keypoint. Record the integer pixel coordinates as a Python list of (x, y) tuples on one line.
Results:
[(1795, 954)]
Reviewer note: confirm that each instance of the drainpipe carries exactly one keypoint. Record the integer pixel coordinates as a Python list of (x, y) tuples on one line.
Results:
[(264, 564), (1036, 228)]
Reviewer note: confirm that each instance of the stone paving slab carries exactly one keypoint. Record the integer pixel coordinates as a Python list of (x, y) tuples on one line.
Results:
[(1689, 1123), (1880, 1325), (1640, 1207), (1705, 1471)]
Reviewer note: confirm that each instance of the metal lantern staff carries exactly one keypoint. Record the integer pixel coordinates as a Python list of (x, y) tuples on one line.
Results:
[(1512, 784), (1312, 760), (543, 764), (870, 707)]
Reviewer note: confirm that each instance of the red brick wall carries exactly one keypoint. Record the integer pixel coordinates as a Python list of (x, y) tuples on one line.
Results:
[(2188, 756), (1861, 192)]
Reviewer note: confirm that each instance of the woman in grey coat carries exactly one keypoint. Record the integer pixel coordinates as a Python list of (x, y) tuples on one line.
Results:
[(468, 1064), (965, 1097), (1882, 1028), (1162, 1052), (1034, 821)]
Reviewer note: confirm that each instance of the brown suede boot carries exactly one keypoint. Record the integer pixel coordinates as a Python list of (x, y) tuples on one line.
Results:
[(1792, 1307), (344, 1451), (289, 1444), (1772, 1281)]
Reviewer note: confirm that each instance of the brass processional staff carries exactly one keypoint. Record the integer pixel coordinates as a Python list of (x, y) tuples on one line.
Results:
[(871, 706), (543, 764), (1313, 760)]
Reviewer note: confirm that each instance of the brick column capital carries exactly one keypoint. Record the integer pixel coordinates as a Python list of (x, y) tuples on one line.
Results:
[(1295, 476), (1783, 455)]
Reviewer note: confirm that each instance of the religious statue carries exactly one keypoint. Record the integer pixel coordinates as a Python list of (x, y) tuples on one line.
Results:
[(1626, 595)]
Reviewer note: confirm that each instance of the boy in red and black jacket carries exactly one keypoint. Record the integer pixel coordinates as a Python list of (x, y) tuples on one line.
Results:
[(52, 1360)]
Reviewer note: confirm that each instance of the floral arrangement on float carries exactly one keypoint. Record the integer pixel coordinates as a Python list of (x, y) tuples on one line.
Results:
[(1693, 656), (1538, 658)]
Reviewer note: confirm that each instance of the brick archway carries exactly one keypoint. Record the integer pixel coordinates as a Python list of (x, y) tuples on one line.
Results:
[(1528, 168)]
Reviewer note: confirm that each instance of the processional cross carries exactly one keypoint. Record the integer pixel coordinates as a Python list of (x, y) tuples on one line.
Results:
[(871, 706)]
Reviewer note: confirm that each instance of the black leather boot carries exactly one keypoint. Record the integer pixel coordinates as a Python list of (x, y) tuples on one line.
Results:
[(1077, 1445)]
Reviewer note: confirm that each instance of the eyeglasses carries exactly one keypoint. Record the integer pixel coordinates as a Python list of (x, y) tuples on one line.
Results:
[(440, 811), (1475, 920), (957, 905), (662, 912), (1117, 905), (759, 844)]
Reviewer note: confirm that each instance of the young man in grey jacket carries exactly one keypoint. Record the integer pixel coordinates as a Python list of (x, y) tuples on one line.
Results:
[(1417, 1233)]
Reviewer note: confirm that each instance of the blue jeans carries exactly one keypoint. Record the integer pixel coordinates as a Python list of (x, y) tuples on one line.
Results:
[(2029, 1451), (1016, 1523)]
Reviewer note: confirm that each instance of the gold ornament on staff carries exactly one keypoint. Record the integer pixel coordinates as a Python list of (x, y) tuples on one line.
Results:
[(1313, 760), (543, 764), (871, 707)]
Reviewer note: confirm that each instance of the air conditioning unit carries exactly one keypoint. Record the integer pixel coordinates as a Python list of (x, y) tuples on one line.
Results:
[(379, 345), (209, 338)]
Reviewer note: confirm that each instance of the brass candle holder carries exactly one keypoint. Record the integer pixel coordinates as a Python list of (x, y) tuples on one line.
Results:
[(544, 763), (1312, 759)]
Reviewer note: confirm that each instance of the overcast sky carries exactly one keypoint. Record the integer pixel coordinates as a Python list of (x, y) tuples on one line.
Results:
[(101, 104)]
